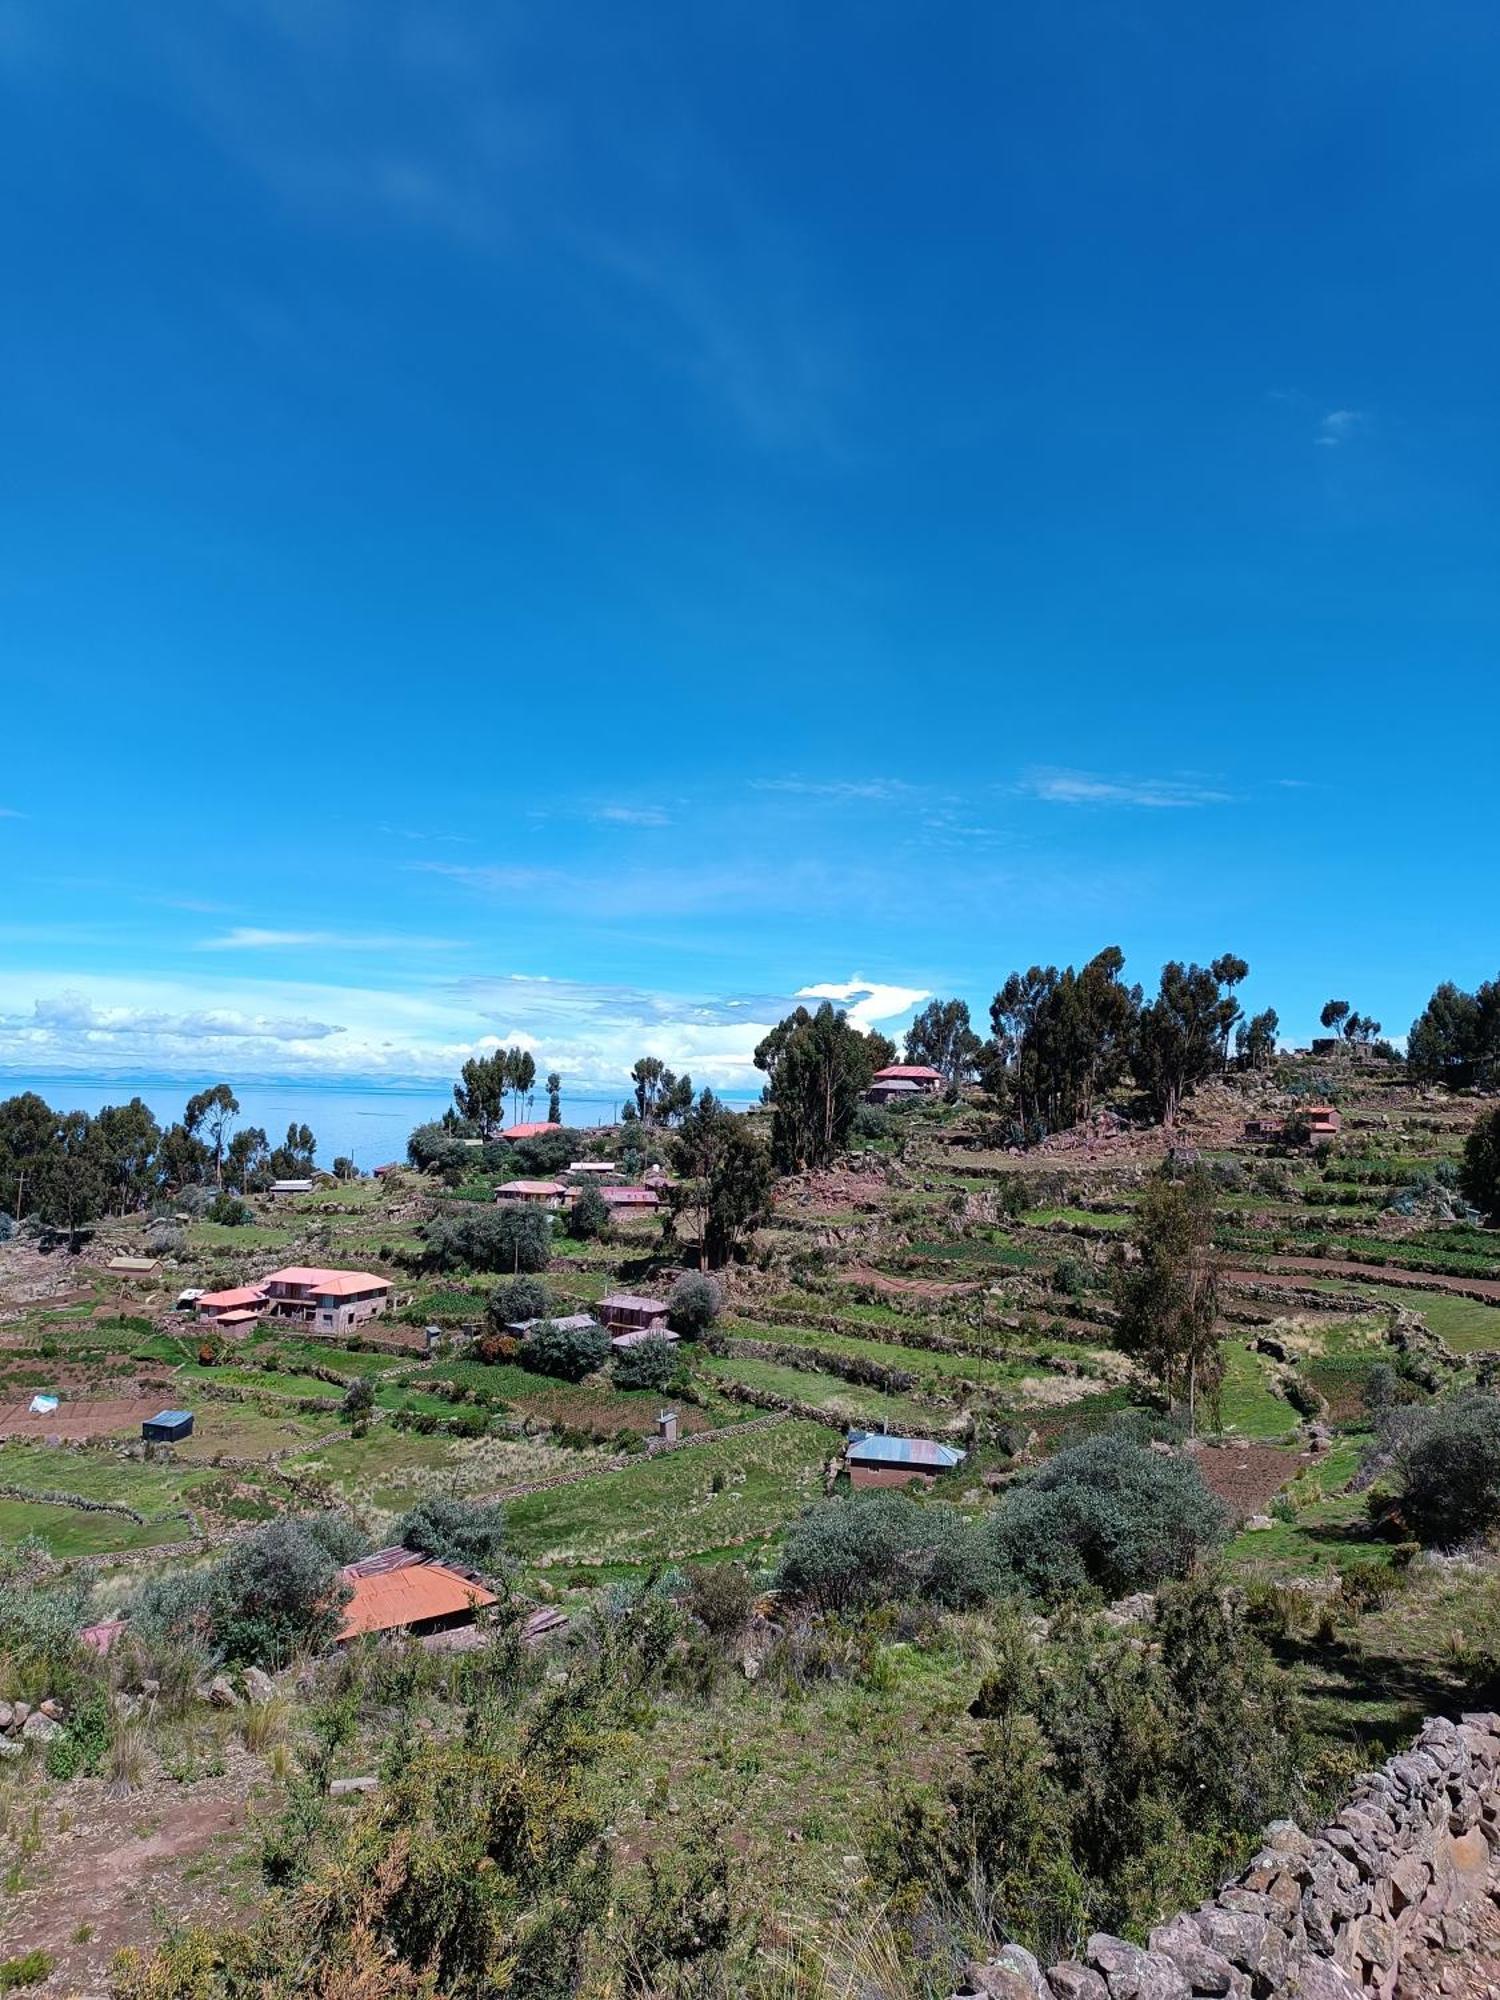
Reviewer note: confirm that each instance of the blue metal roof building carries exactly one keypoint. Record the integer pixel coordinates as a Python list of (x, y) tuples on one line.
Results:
[(921, 1454), (167, 1426)]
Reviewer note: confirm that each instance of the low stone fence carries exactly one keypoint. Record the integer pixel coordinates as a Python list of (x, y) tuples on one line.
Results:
[(1373, 1904), (655, 1448)]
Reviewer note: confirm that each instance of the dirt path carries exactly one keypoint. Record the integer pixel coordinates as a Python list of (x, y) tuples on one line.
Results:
[(1289, 1269), (114, 1871)]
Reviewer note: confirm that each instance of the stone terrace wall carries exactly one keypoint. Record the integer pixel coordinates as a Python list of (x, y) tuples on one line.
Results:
[(1373, 1904)]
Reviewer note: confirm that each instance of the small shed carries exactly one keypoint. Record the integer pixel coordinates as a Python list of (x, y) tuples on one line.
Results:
[(134, 1267), (168, 1427), (877, 1460)]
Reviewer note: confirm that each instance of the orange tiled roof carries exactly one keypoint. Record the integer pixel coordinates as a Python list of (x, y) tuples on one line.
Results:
[(240, 1295), (333, 1284), (395, 1598), (531, 1131)]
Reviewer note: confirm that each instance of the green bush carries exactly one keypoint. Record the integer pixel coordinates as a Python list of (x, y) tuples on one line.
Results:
[(1110, 1514), (30, 1969), (650, 1364), (566, 1352), (1479, 1170), (519, 1298), (1448, 1465), (697, 1300), (274, 1593), (508, 1237), (467, 1533), (865, 1547), (229, 1210), (589, 1218)]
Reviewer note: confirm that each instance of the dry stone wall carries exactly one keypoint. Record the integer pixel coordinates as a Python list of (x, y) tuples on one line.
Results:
[(1382, 1901)]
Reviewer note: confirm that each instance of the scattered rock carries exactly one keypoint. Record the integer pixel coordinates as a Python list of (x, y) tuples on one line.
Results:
[(39, 1728), (219, 1692), (341, 1787), (258, 1685)]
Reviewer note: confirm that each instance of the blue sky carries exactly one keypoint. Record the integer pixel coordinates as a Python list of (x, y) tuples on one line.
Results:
[(579, 523)]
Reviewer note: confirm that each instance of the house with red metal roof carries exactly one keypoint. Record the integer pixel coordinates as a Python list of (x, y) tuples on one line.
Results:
[(233, 1310), (398, 1590), (921, 1076), (535, 1130), (629, 1312), (626, 1199)]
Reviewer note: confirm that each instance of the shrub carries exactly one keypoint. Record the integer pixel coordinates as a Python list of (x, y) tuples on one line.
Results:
[(567, 1352), (359, 1399), (274, 1592), (650, 1364), (30, 1969), (720, 1596), (1479, 1170), (520, 1298), (468, 1533), (230, 1211), (697, 1300), (590, 1216), (1448, 1465), (505, 1238), (1109, 1514), (865, 1547), (164, 1237)]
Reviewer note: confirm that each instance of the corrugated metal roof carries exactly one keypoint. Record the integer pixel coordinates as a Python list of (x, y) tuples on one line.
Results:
[(391, 1600), (570, 1322), (872, 1450), (632, 1302), (916, 1071), (171, 1417), (528, 1187), (531, 1131)]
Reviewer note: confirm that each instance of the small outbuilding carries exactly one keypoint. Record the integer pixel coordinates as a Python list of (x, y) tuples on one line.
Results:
[(134, 1267), (522, 1329), (168, 1427), (878, 1460), (534, 1194), (398, 1590), (626, 1199), (629, 1312)]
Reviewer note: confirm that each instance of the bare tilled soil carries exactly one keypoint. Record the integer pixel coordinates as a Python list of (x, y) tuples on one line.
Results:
[(1291, 1269), (1247, 1477), (76, 1422)]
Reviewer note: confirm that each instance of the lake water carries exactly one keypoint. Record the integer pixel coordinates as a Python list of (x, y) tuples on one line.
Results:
[(369, 1124)]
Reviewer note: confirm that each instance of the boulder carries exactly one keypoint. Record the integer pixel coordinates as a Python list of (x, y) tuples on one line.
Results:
[(258, 1685), (10, 1749), (1207, 1971), (39, 1728), (219, 1692), (7, 1716), (1133, 1974), (1072, 1981), (52, 1709), (1461, 1869)]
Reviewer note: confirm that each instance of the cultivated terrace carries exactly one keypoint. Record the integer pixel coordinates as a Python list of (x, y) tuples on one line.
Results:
[(1211, 1361)]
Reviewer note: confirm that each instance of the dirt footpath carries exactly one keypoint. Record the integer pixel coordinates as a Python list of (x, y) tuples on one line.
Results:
[(115, 1871)]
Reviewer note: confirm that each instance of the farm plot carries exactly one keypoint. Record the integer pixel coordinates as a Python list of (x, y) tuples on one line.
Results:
[(388, 1471), (736, 1493), (841, 1402), (934, 1372)]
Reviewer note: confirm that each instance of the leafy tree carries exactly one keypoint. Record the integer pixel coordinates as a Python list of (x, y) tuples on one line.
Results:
[(520, 1076), (1229, 971), (470, 1534), (1255, 1039), (1479, 1170), (649, 1364), (212, 1111), (344, 1168), (566, 1352), (1455, 1040), (129, 1139), (1334, 1014), (294, 1160), (247, 1160), (510, 1237), (696, 1303), (518, 1299), (1060, 1040), (554, 1098), (1109, 1515), (359, 1401), (661, 1096), (588, 1219), (1168, 1291), (1180, 1036), (439, 1146), (478, 1097), (941, 1036), (818, 1067), (723, 1180), (229, 1211), (1448, 1464), (185, 1160)]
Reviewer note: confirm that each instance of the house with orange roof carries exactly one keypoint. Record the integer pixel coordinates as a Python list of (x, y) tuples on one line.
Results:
[(538, 1194), (536, 1130), (234, 1310), (398, 1590), (326, 1301)]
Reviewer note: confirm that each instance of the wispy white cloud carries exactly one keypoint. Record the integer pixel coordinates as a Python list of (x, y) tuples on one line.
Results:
[(9, 812), (245, 937), (875, 790), (866, 1001), (1089, 788), (1338, 426), (633, 816)]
